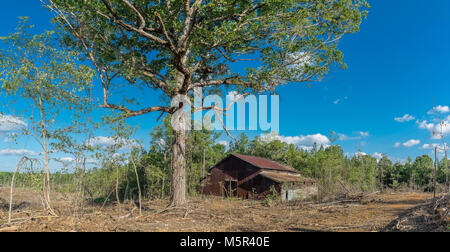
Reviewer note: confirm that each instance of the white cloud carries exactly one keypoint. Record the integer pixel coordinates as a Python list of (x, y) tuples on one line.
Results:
[(361, 134), (68, 160), (102, 141), (233, 96), (360, 154), (305, 148), (429, 146), (440, 109), (343, 137), (411, 143), (91, 161), (17, 152), (9, 137), (300, 59), (443, 128), (432, 146), (364, 134), (71, 160), (436, 129), (10, 123), (405, 118), (398, 160), (224, 143), (378, 155), (301, 141), (398, 144), (425, 125), (340, 100), (161, 143)]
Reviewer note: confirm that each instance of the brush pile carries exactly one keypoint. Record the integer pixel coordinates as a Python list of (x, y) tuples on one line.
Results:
[(439, 213), (430, 217)]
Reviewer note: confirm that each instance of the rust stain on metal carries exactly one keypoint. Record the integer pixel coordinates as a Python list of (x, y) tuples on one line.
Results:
[(250, 177), (265, 163)]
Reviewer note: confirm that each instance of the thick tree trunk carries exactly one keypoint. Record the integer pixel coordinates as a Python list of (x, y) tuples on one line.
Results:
[(178, 161), (178, 197)]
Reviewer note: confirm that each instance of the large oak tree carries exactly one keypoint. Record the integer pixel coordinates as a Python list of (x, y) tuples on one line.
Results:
[(177, 45)]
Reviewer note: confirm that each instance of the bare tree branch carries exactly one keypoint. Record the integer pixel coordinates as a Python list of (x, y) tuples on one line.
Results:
[(116, 19)]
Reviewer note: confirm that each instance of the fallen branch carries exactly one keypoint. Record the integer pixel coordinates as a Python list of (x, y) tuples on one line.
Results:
[(9, 229), (347, 227)]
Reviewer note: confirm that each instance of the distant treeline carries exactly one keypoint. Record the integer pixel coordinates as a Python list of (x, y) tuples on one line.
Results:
[(61, 181), (336, 173)]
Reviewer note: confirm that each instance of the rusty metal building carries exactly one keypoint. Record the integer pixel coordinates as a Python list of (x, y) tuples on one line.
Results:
[(250, 177)]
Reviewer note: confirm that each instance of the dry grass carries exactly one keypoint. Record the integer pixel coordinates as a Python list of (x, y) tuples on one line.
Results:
[(209, 214)]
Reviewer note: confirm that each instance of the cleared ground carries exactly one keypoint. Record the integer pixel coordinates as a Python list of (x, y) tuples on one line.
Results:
[(372, 213)]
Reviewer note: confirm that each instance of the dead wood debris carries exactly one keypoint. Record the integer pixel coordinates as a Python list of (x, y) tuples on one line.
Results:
[(369, 212), (431, 217)]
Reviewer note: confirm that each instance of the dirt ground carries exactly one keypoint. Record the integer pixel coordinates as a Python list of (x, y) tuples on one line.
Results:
[(373, 213)]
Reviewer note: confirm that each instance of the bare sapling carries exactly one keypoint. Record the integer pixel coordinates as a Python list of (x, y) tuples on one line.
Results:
[(21, 163), (138, 183)]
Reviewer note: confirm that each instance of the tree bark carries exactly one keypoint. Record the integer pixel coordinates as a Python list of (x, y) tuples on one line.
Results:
[(445, 168), (191, 161), (46, 186), (12, 188), (117, 184), (203, 163), (137, 182), (203, 167), (178, 197), (381, 180), (435, 171)]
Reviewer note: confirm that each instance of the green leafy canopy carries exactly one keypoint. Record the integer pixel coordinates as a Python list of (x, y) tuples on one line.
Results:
[(46, 78), (176, 45)]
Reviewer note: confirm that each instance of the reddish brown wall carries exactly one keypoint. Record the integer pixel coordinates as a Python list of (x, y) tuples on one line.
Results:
[(236, 169)]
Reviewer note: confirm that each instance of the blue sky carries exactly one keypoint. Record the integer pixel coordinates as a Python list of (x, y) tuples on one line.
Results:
[(397, 65)]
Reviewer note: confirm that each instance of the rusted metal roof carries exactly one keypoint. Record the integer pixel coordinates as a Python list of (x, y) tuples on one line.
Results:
[(285, 177), (264, 163)]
